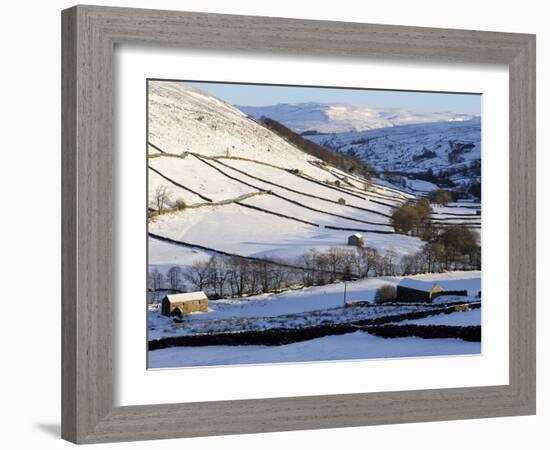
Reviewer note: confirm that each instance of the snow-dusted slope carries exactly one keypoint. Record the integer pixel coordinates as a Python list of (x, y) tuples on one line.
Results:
[(185, 119), (416, 148), (249, 192), (340, 117)]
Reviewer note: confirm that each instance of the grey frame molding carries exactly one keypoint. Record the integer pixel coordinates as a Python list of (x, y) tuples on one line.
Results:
[(89, 37)]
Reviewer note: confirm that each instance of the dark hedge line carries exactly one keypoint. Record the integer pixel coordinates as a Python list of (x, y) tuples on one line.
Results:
[(308, 195), (156, 148), (297, 203), (383, 204), (257, 208), (175, 183), (359, 230), (282, 336), (335, 188), (466, 333), (222, 253), (295, 191)]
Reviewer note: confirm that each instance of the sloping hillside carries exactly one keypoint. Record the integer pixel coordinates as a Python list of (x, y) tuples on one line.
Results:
[(231, 186), (185, 119)]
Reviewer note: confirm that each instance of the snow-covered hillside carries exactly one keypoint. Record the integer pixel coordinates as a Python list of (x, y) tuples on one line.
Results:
[(249, 192), (453, 147), (340, 117), (185, 119)]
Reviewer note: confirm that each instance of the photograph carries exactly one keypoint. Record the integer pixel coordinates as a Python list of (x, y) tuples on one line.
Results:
[(294, 224)]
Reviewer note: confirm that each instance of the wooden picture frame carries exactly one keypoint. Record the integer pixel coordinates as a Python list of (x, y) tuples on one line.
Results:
[(90, 34)]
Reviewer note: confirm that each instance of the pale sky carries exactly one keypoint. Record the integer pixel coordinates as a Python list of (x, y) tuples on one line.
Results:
[(264, 95)]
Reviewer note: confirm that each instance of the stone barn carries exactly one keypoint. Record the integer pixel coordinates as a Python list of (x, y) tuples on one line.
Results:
[(411, 290), (357, 240), (181, 304)]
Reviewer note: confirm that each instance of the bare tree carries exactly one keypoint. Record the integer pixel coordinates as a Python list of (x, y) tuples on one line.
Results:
[(321, 267), (156, 280), (197, 274), (161, 197), (335, 259), (368, 261), (174, 276), (414, 263), (218, 274), (388, 266), (240, 275), (279, 276), (307, 261), (262, 270)]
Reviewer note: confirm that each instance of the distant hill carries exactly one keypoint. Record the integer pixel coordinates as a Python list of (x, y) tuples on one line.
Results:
[(448, 149), (310, 118)]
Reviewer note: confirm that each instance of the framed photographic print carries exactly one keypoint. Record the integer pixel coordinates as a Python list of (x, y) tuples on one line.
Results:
[(305, 219)]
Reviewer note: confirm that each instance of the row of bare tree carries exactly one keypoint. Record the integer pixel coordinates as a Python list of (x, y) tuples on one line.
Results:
[(236, 276), (454, 248), (220, 276)]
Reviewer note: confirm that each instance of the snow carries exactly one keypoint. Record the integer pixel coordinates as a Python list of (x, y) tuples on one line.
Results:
[(463, 318), (175, 193), (197, 176), (301, 307), (186, 297), (249, 232), (421, 185), (357, 345), (164, 255), (185, 119), (407, 148), (340, 117), (240, 183), (419, 285), (469, 280)]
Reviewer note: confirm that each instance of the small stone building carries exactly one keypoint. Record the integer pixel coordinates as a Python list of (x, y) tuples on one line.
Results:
[(411, 290), (181, 304), (357, 240)]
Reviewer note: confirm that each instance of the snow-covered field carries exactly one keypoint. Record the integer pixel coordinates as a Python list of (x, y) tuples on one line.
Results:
[(466, 318), (293, 303), (358, 345), (309, 307)]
